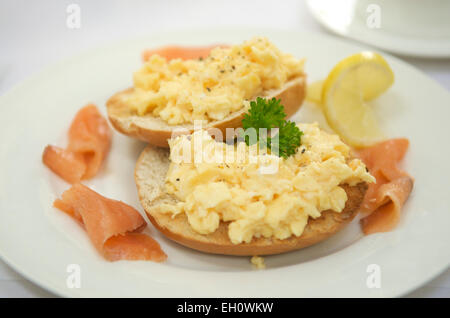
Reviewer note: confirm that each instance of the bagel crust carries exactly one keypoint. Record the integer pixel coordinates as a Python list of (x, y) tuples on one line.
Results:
[(156, 131), (150, 173)]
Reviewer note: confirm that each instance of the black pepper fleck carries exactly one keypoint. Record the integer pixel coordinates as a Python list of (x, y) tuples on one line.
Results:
[(303, 150)]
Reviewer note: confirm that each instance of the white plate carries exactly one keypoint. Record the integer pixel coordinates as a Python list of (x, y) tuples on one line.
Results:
[(40, 241), (408, 27)]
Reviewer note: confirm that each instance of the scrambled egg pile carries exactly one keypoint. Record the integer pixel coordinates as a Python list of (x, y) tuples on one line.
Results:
[(256, 204), (210, 89)]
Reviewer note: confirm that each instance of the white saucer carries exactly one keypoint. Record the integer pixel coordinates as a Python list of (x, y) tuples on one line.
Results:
[(411, 28)]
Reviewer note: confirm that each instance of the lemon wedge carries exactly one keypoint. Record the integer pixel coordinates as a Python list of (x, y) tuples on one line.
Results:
[(314, 92), (351, 83)]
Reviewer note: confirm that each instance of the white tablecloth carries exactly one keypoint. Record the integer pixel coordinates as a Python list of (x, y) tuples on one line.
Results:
[(34, 34)]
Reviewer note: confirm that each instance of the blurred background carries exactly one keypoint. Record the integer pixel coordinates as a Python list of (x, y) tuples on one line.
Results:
[(35, 34)]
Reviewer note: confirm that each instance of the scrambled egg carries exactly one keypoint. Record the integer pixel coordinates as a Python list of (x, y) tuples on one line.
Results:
[(258, 262), (210, 89), (269, 205)]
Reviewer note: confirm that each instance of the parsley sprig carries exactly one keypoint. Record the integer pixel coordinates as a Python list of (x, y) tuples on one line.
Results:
[(269, 113)]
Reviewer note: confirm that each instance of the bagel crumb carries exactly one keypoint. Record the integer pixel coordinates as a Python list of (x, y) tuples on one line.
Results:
[(258, 262)]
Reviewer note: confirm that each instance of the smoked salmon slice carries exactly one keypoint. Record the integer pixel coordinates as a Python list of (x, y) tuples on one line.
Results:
[(67, 164), (89, 143), (133, 246), (181, 52), (390, 198), (111, 225), (384, 199)]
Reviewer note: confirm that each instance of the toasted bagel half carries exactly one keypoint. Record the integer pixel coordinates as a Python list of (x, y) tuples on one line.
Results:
[(150, 173), (156, 131)]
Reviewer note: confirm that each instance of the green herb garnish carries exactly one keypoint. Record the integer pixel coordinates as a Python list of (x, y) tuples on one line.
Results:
[(270, 114)]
